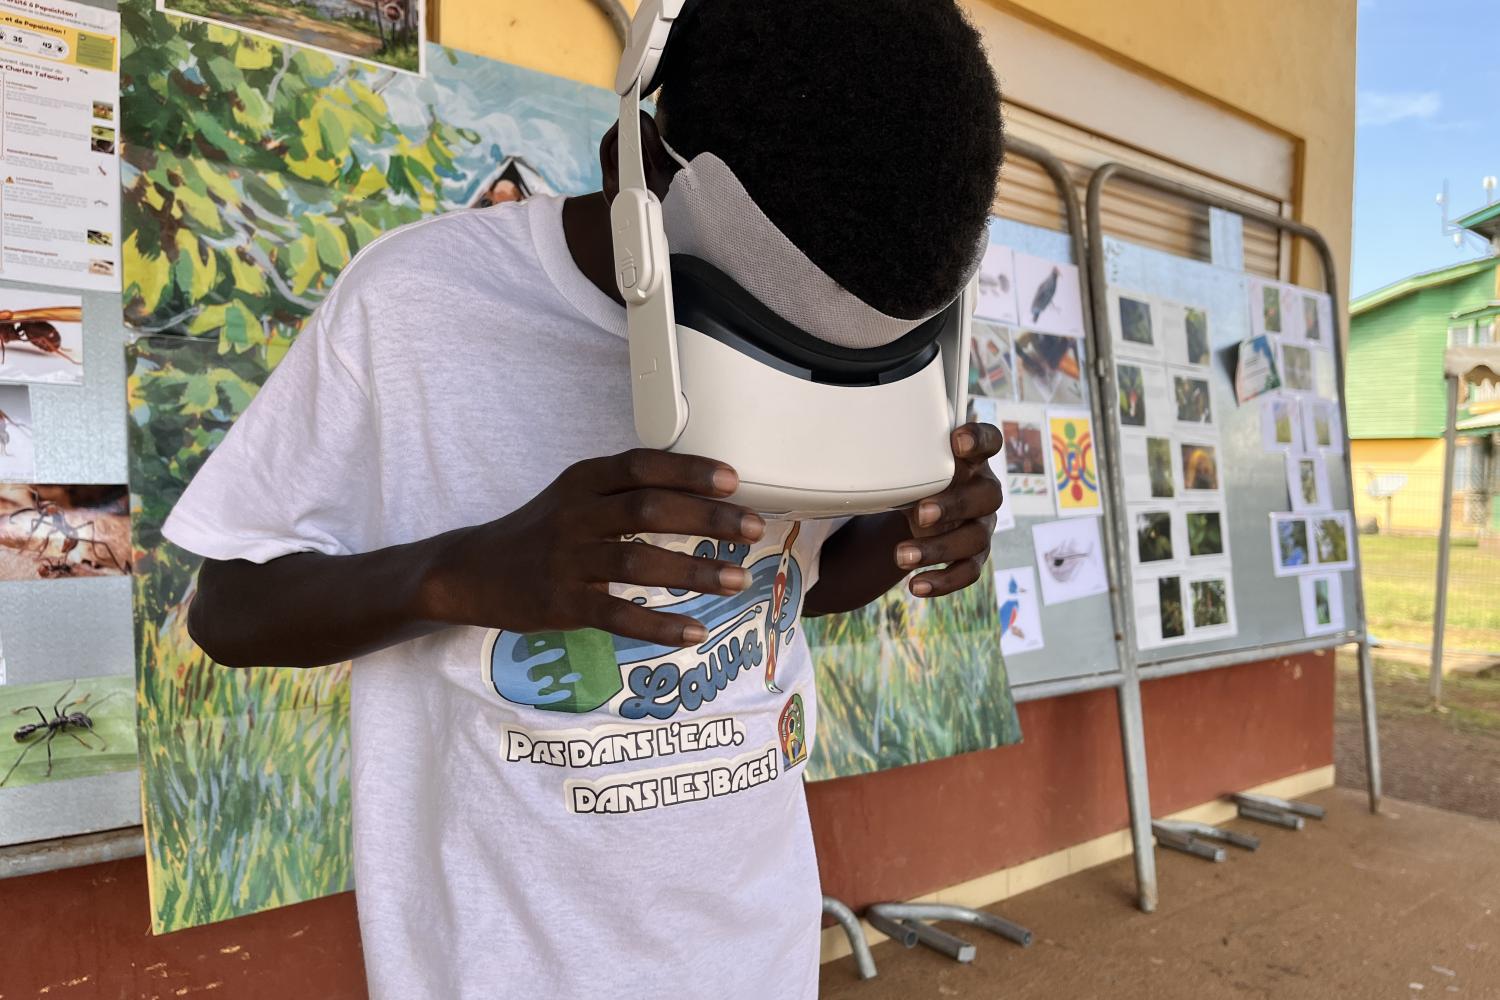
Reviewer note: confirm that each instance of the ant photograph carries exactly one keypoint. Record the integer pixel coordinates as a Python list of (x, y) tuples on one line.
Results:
[(49, 531), (56, 730), (41, 337)]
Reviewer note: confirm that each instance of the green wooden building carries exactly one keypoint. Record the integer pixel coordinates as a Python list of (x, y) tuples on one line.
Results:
[(1396, 394)]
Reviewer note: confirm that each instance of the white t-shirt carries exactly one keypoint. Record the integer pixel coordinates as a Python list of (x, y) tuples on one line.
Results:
[(568, 815)]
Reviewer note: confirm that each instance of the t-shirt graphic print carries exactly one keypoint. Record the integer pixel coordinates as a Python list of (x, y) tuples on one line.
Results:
[(681, 713)]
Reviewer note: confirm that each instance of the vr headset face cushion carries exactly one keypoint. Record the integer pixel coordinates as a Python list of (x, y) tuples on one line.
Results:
[(709, 215)]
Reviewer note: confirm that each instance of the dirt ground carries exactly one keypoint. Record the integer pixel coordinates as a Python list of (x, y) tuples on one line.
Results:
[(1448, 759), (1405, 905)]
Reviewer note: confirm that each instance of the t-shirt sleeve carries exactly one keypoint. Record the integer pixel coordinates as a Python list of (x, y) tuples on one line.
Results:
[(298, 472)]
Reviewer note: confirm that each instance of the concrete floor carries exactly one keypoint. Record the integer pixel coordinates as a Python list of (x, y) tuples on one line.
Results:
[(1402, 905)]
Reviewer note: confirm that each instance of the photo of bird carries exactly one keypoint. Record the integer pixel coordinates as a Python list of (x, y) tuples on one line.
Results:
[(1045, 293)]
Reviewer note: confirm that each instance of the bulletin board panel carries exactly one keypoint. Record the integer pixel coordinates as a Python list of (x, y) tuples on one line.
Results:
[(1268, 610), (1078, 635), (60, 630)]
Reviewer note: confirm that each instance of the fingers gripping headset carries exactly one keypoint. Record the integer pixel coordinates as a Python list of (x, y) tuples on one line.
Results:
[(846, 412)]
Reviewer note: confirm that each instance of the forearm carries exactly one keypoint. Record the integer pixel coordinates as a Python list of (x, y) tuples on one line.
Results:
[(858, 564), (309, 609)]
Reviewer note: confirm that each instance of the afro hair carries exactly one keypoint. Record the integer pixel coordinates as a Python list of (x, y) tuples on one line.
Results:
[(868, 131)]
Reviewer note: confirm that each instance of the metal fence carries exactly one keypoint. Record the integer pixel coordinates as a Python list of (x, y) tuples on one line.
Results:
[(1399, 515)]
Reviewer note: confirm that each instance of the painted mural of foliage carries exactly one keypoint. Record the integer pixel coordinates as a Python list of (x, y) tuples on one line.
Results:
[(254, 171)]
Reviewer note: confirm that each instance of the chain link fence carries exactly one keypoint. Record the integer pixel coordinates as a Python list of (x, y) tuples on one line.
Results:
[(1400, 515)]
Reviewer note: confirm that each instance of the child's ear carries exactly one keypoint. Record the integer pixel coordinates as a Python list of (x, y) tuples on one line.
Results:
[(660, 166)]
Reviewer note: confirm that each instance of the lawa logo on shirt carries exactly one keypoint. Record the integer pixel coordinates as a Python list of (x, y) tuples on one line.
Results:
[(584, 670)]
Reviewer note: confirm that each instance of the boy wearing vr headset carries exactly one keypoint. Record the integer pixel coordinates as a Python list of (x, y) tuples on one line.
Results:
[(581, 704)]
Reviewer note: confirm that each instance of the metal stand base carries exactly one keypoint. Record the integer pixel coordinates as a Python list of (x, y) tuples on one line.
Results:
[(1184, 836), (1277, 812), (856, 934), (903, 922)]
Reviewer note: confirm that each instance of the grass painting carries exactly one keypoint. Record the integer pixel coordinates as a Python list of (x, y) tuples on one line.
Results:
[(906, 680), (252, 173)]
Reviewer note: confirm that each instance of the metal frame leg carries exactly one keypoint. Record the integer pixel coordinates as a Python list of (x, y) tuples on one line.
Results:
[(940, 940), (947, 911), (1270, 803), (1370, 721), (855, 933), (1137, 791)]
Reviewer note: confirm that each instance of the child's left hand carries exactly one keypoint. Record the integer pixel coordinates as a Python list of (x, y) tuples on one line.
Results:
[(955, 526)]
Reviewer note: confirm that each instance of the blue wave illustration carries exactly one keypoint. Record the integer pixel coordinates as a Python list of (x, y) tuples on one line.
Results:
[(580, 671)]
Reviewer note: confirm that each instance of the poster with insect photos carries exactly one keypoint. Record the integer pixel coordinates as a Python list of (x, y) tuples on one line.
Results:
[(41, 337), (60, 730), (49, 531)]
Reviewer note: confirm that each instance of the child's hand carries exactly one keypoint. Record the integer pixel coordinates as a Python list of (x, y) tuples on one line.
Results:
[(547, 566), (955, 526)]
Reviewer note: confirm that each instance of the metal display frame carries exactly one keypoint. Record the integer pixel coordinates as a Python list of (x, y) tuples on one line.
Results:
[(1189, 663), (1124, 679)]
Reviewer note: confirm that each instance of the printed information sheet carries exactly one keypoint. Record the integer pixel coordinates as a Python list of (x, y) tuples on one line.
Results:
[(59, 144)]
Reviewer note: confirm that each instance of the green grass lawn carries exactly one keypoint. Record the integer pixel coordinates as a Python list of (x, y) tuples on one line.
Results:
[(1400, 577)]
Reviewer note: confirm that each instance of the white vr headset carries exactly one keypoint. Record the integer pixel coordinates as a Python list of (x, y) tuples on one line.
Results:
[(825, 406)]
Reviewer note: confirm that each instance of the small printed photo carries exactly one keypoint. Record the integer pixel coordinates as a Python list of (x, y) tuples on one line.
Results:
[(1281, 424), (1210, 603), (102, 267), (1312, 328), (997, 286), (64, 531), (1193, 405), (99, 238), (1322, 606), (41, 337), (1297, 368), (990, 371), (1200, 468), (1048, 295), (1270, 308), (1322, 429), (1169, 594), (1048, 369), (1153, 536), (1291, 543), (17, 457), (1307, 480), (1331, 539), (1197, 337), (1024, 455), (101, 139), (1135, 322), (1132, 396), (104, 110), (1159, 463), (1205, 532)]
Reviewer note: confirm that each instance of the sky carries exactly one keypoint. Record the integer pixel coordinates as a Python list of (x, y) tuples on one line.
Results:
[(1428, 110)]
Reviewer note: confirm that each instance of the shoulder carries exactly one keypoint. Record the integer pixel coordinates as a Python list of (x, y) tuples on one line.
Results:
[(445, 249)]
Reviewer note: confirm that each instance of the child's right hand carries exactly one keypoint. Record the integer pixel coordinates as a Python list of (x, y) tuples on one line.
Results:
[(547, 566)]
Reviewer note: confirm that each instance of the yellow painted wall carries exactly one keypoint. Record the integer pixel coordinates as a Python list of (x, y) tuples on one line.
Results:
[(1419, 504), (1287, 65)]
